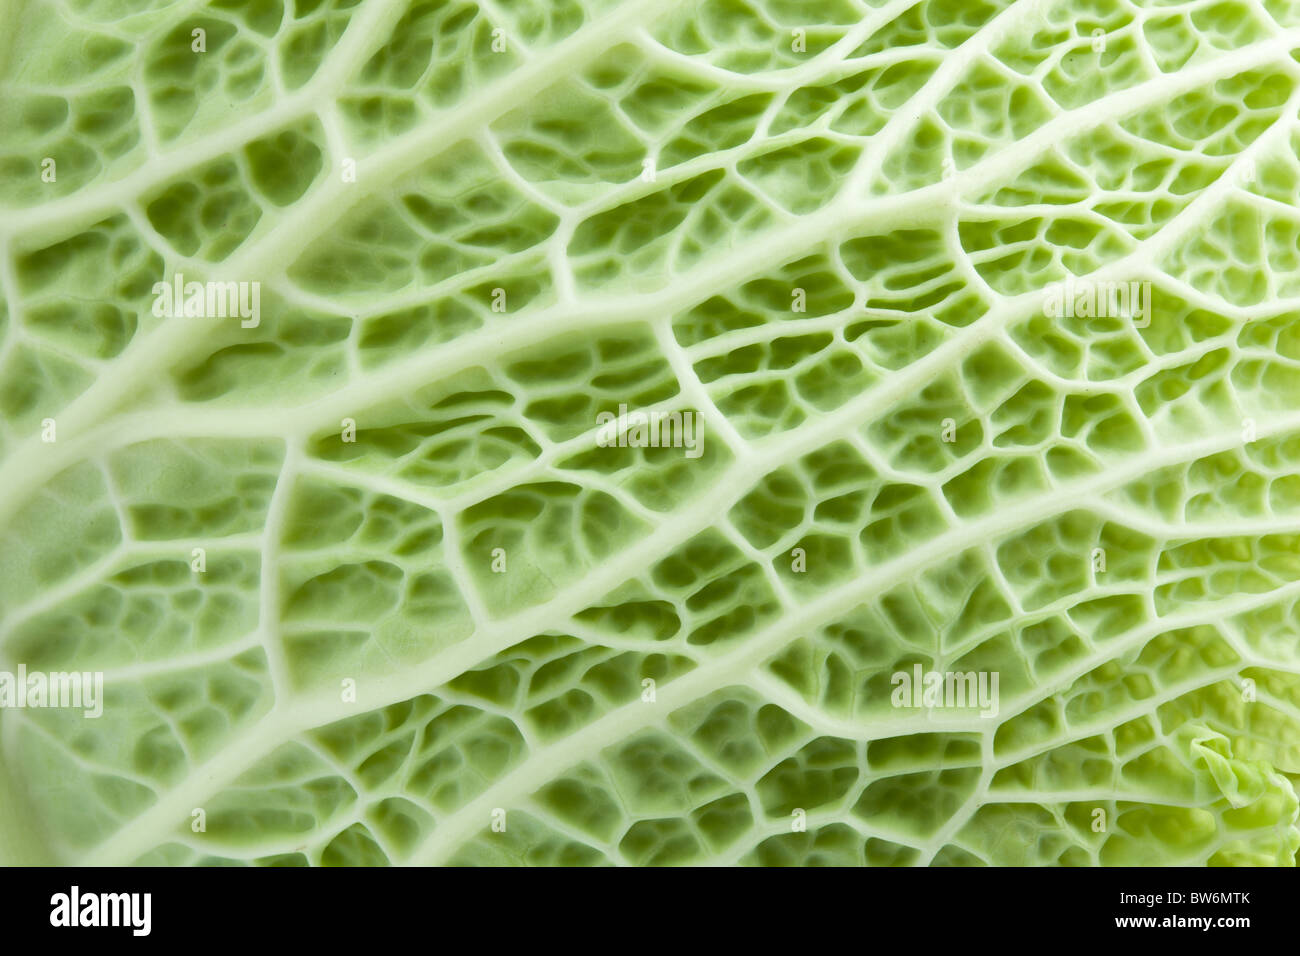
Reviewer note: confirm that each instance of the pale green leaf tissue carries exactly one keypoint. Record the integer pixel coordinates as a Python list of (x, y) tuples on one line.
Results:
[(642, 432)]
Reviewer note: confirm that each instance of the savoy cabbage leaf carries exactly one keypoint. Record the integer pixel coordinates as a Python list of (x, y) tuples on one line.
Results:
[(621, 431)]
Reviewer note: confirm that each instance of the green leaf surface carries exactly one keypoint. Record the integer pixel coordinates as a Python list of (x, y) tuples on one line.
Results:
[(983, 317)]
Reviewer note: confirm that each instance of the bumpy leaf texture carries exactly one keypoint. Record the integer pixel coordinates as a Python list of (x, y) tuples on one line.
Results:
[(366, 577)]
